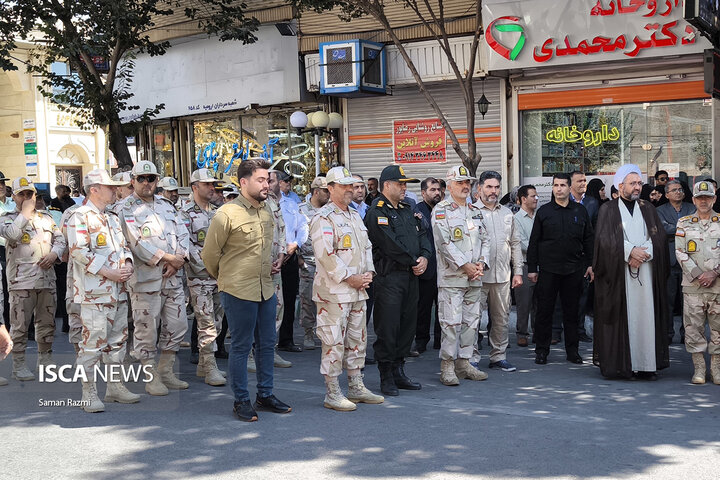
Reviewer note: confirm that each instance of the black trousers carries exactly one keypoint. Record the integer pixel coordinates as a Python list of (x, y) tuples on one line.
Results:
[(675, 297), (6, 294), (290, 286), (395, 315), (584, 306), (428, 292), (569, 287), (61, 286)]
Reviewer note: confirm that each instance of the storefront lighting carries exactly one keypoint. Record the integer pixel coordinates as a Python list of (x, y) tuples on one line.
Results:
[(483, 104), (317, 122)]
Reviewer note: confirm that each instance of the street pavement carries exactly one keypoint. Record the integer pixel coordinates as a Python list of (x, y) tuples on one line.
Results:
[(558, 421)]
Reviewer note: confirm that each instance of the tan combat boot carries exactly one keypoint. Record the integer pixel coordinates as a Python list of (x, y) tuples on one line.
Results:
[(90, 401), (3, 381), (715, 369), (213, 376), (20, 370), (698, 360), (447, 373), (167, 376), (117, 392), (334, 398), (309, 339), (463, 369), (153, 384), (281, 362), (251, 362), (201, 370), (44, 359), (357, 393)]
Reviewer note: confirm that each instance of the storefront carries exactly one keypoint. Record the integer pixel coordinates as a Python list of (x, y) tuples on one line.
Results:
[(599, 84)]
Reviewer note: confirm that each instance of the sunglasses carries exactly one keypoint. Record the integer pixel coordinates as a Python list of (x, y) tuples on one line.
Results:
[(146, 178)]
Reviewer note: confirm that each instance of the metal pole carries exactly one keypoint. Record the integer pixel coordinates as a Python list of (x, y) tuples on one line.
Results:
[(317, 153)]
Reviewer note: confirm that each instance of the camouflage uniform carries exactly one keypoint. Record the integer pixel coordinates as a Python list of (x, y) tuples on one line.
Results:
[(307, 273), (342, 248), (95, 240), (697, 247), (153, 229), (459, 239), (32, 289), (204, 293), (72, 308), (279, 246)]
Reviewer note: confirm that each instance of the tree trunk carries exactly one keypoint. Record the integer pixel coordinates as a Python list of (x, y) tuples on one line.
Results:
[(118, 143)]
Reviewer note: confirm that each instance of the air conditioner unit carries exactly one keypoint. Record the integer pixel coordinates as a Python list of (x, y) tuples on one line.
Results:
[(352, 66)]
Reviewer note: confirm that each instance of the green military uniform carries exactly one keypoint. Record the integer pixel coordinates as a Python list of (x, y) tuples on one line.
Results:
[(399, 240)]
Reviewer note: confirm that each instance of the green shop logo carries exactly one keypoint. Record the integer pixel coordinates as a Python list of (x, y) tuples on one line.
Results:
[(490, 33)]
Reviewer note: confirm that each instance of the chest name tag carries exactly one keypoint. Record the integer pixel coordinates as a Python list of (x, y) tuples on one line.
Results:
[(25, 238), (101, 240), (382, 220), (692, 246), (347, 241), (146, 232), (201, 236), (457, 233)]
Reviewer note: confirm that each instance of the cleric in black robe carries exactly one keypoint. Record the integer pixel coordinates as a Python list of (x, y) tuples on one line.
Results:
[(612, 344)]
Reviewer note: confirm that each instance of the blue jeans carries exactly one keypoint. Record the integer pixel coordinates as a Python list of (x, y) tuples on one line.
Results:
[(250, 322)]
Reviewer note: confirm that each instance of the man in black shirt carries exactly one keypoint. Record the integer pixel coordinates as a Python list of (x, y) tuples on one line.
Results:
[(561, 248)]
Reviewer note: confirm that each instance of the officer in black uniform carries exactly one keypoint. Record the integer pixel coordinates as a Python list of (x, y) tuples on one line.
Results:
[(400, 253)]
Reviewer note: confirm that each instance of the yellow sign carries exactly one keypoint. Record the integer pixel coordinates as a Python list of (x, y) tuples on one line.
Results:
[(347, 241), (692, 246), (457, 233), (25, 238), (101, 240), (589, 137)]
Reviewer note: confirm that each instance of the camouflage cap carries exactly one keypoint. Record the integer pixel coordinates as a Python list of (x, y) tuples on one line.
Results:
[(231, 190), (143, 167), (123, 177), (202, 175), (458, 173), (100, 176), (21, 184), (704, 189), (319, 182), (339, 175), (168, 183)]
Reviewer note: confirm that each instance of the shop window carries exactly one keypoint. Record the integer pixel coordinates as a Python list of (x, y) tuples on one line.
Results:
[(597, 140), (163, 149)]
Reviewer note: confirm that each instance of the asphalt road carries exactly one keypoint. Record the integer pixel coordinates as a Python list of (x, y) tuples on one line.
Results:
[(555, 421)]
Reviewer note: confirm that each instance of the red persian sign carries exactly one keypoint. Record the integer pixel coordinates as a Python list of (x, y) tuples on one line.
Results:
[(419, 141)]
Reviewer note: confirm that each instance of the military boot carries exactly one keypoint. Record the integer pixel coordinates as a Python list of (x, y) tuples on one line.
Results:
[(334, 398), (44, 359), (153, 384), (447, 373), (281, 362), (167, 376), (20, 370), (387, 383), (357, 393), (117, 392), (201, 370), (76, 347), (463, 369), (402, 380), (309, 339), (213, 376), (90, 401), (3, 381), (251, 362), (715, 369), (698, 360)]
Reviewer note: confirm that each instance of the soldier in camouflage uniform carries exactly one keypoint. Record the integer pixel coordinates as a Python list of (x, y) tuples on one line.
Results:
[(279, 249), (697, 247), (102, 263), (158, 241), (343, 253), (72, 308), (125, 190), (319, 198), (169, 190), (34, 244), (462, 246), (204, 294)]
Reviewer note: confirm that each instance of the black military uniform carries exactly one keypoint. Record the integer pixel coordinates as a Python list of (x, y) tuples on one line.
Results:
[(398, 240)]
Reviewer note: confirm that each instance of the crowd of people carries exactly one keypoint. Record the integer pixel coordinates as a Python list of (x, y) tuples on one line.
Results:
[(133, 257)]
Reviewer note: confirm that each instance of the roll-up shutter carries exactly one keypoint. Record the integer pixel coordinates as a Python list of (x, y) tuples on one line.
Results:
[(370, 123)]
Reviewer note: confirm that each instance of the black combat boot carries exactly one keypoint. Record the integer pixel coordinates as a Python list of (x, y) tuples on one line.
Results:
[(387, 384), (401, 380)]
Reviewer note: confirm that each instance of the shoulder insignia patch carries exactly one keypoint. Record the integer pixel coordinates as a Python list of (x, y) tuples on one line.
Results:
[(327, 231), (381, 203), (201, 236), (146, 231), (440, 215), (679, 232), (695, 219), (715, 218), (454, 205), (691, 246), (347, 241), (382, 220), (457, 233), (101, 240), (25, 238)]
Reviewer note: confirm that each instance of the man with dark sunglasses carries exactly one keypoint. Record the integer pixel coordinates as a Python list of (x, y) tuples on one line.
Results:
[(159, 243)]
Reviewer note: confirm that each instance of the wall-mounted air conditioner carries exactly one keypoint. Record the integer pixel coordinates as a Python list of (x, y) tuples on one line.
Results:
[(352, 66)]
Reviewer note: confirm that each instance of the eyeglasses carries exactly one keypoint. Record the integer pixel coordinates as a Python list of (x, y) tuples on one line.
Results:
[(146, 178), (675, 190)]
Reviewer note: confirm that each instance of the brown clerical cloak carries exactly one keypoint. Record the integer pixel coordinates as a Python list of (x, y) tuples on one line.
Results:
[(611, 346)]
